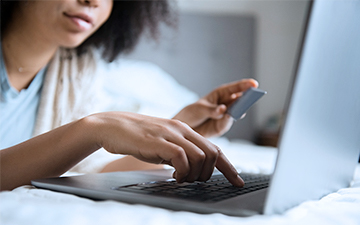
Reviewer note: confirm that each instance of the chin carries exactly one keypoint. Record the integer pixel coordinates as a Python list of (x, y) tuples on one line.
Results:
[(72, 42), (71, 45)]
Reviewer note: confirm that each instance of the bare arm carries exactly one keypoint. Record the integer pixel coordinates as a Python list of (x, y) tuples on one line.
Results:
[(47, 155), (149, 139)]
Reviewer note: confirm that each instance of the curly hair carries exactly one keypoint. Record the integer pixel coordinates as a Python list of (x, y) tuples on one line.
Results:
[(121, 32)]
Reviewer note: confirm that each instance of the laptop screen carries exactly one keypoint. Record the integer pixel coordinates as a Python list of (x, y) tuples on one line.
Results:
[(320, 142)]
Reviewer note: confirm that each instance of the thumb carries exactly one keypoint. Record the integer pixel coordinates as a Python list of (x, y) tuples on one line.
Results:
[(204, 111), (210, 110), (217, 112)]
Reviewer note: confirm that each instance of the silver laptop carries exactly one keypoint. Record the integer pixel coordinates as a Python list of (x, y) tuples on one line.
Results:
[(319, 146)]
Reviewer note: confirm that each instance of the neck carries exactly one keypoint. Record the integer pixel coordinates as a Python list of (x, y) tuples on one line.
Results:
[(25, 54)]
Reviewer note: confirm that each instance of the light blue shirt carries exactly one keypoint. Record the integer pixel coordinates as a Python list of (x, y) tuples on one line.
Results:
[(18, 110)]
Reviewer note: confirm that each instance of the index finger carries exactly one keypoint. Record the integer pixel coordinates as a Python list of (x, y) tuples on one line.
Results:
[(224, 92), (229, 171), (242, 85)]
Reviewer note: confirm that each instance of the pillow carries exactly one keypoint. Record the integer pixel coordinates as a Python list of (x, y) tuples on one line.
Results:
[(144, 87)]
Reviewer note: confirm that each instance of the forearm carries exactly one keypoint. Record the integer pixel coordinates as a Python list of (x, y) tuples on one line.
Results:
[(47, 155), (149, 139), (129, 163)]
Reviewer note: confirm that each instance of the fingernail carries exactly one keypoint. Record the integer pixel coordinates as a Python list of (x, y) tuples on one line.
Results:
[(241, 181)]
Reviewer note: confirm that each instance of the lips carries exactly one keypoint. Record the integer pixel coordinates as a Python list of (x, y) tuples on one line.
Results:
[(81, 21)]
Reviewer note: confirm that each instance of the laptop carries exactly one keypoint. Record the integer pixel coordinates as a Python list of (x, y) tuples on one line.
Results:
[(318, 149)]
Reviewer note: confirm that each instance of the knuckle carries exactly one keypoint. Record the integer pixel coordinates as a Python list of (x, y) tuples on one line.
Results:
[(156, 131), (178, 124), (163, 127), (215, 151), (199, 158), (156, 128), (177, 151)]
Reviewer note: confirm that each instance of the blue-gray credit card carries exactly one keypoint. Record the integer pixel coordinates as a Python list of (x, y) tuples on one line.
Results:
[(243, 103)]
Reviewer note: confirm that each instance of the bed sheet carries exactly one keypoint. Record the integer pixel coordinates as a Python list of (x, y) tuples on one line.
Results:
[(28, 205)]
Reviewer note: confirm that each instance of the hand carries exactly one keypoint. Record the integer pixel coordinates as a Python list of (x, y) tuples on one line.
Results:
[(163, 141), (208, 115)]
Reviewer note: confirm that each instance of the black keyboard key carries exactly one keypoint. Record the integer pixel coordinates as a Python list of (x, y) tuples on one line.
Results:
[(216, 189)]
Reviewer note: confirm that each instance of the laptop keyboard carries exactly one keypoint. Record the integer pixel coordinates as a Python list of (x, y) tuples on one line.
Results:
[(216, 189)]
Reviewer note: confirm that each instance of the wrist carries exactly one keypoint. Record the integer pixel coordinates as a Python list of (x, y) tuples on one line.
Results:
[(90, 129)]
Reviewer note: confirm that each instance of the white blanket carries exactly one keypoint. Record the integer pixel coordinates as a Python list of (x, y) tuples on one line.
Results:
[(28, 205)]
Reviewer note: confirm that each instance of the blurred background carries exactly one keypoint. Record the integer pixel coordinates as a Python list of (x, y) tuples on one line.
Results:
[(219, 41)]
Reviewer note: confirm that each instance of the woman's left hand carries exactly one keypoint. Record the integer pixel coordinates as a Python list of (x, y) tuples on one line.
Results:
[(208, 115)]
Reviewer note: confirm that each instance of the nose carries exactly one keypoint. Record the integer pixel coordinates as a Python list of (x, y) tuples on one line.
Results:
[(92, 3)]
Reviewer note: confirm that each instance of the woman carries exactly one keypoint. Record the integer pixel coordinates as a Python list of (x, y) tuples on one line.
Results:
[(49, 56)]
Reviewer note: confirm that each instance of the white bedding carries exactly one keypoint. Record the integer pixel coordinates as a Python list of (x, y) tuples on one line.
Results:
[(28, 205)]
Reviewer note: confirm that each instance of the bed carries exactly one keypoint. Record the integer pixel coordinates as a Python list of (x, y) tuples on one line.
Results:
[(29, 205)]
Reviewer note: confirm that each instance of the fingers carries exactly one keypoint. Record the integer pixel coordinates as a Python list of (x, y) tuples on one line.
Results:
[(209, 110), (202, 165), (226, 168), (240, 86), (202, 157), (160, 140), (218, 113), (201, 169), (172, 154), (196, 158), (201, 111), (179, 160), (225, 93), (215, 157), (204, 170), (223, 125), (192, 155)]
